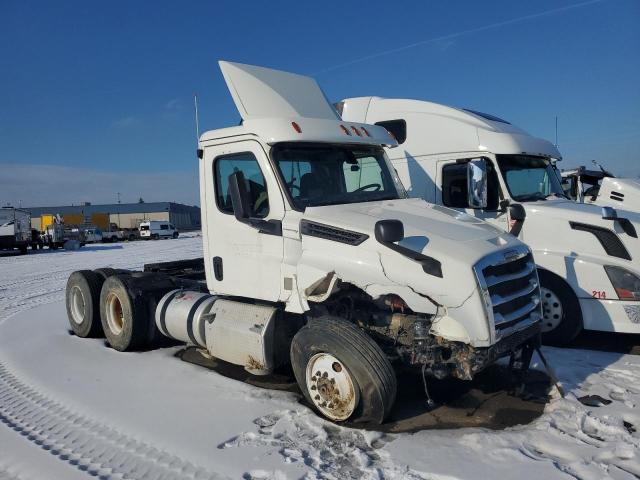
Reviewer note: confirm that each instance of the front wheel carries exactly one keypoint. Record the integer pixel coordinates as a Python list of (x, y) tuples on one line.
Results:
[(342, 372), (561, 313)]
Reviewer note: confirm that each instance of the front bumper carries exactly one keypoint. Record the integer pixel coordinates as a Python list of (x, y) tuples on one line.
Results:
[(610, 315), (445, 358)]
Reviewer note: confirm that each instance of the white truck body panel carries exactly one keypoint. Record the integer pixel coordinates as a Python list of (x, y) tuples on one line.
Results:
[(437, 136), (15, 227), (619, 193)]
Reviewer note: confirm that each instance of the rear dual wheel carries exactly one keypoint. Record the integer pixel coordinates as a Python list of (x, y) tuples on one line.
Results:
[(82, 300)]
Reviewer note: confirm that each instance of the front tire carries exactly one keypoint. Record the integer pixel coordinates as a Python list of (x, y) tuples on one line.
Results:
[(82, 298), (561, 313), (342, 372)]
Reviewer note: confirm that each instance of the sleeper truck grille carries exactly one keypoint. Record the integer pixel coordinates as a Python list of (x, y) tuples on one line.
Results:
[(510, 287)]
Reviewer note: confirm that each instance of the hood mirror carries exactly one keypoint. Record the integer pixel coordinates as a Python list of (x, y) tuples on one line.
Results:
[(389, 231), (477, 183)]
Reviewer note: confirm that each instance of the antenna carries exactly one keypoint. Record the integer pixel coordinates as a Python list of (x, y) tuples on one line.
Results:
[(556, 131), (195, 104)]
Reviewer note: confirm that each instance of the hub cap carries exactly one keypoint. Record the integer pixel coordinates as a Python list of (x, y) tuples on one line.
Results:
[(115, 317), (551, 310), (77, 305), (331, 387)]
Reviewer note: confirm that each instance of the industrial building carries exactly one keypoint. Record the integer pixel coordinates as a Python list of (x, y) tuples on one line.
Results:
[(125, 215)]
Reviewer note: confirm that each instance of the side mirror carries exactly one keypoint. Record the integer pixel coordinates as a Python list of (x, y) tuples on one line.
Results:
[(477, 183), (239, 196), (517, 212), (389, 231), (609, 213)]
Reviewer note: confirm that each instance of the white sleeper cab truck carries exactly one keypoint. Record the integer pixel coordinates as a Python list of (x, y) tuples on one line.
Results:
[(314, 257), (602, 188), (15, 229), (588, 258), (155, 229)]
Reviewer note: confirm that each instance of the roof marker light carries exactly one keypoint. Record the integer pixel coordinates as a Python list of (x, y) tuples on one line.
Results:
[(366, 132), (296, 127), (356, 131), (344, 129)]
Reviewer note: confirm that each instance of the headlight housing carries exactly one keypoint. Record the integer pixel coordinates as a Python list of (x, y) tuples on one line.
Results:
[(625, 283)]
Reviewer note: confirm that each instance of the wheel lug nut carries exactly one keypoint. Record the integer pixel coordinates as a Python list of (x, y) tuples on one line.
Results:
[(317, 397), (313, 387), (318, 373), (325, 375), (333, 380)]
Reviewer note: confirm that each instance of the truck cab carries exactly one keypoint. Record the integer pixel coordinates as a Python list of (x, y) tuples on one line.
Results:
[(315, 258), (601, 188), (587, 257)]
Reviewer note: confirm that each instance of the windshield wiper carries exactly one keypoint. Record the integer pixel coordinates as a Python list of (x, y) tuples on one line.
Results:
[(531, 196)]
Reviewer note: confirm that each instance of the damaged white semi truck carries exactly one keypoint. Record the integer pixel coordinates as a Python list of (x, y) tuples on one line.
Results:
[(315, 258)]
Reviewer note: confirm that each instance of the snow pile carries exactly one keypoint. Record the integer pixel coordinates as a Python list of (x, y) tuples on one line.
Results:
[(72, 408)]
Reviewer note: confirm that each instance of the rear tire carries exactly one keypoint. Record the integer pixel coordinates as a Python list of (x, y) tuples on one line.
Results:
[(108, 272), (360, 383), (82, 298), (561, 313), (124, 314)]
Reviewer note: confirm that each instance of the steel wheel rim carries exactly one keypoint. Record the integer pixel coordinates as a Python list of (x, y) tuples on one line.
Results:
[(115, 315), (77, 305), (331, 387), (552, 311)]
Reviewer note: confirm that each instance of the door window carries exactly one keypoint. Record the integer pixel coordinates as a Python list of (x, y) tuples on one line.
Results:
[(255, 183), (454, 185)]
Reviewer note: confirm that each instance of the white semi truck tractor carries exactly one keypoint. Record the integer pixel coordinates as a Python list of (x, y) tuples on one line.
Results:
[(602, 188), (314, 257), (588, 257)]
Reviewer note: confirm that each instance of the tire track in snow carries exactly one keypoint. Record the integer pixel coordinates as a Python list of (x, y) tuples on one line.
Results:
[(90, 446)]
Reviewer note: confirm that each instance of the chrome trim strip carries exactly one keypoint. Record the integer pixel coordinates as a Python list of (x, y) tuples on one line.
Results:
[(498, 300), (521, 312)]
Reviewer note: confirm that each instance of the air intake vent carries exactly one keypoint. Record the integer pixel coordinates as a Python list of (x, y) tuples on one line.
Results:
[(617, 196), (608, 239), (328, 232)]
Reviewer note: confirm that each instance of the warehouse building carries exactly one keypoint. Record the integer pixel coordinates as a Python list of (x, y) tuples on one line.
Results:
[(125, 215)]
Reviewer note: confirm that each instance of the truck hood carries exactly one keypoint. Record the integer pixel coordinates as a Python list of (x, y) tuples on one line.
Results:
[(548, 226), (620, 193), (428, 228)]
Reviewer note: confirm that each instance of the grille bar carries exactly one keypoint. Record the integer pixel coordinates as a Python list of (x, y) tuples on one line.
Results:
[(493, 280), (497, 300)]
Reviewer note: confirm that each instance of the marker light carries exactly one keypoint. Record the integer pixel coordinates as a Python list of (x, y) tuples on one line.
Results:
[(296, 127), (625, 283), (366, 132), (356, 131), (344, 129)]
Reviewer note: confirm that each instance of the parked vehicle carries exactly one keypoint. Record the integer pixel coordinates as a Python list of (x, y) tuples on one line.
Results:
[(601, 188), (112, 234), (587, 257), (92, 235), (156, 229), (314, 257), (55, 234), (15, 229)]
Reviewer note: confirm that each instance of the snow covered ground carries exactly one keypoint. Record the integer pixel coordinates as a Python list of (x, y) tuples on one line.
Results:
[(72, 408)]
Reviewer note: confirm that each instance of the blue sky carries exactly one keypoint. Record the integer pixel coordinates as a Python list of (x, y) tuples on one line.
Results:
[(97, 97)]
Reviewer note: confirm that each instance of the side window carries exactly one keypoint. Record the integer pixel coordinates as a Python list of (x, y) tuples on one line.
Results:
[(397, 128), (256, 185), (164, 226), (454, 186)]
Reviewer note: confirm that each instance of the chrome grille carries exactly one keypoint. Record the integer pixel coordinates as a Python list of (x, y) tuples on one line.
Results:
[(510, 286)]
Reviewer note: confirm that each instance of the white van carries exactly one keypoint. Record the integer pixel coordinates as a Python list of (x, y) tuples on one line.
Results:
[(155, 229)]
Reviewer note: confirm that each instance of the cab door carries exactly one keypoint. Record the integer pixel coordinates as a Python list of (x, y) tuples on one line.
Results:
[(452, 190), (241, 260)]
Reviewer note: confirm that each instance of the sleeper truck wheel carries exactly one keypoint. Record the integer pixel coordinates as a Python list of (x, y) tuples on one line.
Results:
[(107, 272), (123, 313), (561, 313), (82, 298), (342, 372)]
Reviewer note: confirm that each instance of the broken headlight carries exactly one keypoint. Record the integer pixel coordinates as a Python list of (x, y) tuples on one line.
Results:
[(625, 283)]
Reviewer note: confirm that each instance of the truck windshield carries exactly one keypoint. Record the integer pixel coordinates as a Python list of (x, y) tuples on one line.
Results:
[(529, 178), (317, 175)]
